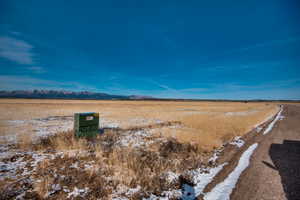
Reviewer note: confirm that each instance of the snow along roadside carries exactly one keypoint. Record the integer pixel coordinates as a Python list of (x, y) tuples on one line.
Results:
[(258, 126), (223, 190), (278, 116)]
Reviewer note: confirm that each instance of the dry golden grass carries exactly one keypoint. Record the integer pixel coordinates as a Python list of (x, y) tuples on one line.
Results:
[(202, 126), (206, 123), (64, 142), (41, 187), (211, 131), (125, 166)]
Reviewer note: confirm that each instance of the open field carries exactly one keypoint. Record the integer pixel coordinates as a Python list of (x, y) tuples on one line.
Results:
[(208, 124), (147, 149)]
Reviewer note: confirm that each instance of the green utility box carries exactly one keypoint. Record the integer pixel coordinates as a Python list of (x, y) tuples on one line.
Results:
[(86, 124)]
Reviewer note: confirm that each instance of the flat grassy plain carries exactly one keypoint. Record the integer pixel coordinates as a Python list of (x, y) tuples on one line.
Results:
[(208, 124), (149, 147)]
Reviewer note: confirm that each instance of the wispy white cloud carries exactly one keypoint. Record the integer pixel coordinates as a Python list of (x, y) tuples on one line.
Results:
[(9, 82), (16, 50), (19, 51)]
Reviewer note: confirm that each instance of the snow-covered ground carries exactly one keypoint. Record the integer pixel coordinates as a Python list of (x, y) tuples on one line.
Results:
[(237, 141), (12, 163), (223, 190), (51, 125), (201, 177), (258, 126), (135, 139), (278, 117), (40, 127)]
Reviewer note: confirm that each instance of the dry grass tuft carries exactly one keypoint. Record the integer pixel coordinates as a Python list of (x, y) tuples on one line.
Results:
[(62, 142), (42, 186), (60, 172), (112, 166)]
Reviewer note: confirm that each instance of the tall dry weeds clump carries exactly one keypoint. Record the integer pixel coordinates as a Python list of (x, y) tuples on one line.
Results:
[(115, 166), (147, 168), (42, 186), (64, 141)]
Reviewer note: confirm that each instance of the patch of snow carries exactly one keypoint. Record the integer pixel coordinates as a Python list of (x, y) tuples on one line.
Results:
[(9, 169), (74, 165), (144, 121), (122, 190), (173, 194), (21, 196), (119, 198), (73, 153), (242, 113), (65, 189), (281, 117), (215, 156), (270, 127), (16, 122), (37, 158), (5, 167), (258, 129), (44, 126), (78, 192), (8, 138), (223, 190), (55, 188), (132, 191), (89, 166), (237, 141), (4, 152), (105, 123), (135, 139), (171, 176), (201, 178), (50, 127), (258, 126)]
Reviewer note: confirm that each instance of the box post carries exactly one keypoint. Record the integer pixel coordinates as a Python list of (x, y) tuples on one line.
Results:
[(86, 124)]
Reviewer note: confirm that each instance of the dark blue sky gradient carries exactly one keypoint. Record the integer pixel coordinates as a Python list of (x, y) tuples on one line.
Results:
[(180, 49)]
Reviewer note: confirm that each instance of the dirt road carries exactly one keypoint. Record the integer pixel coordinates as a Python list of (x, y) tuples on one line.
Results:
[(274, 170)]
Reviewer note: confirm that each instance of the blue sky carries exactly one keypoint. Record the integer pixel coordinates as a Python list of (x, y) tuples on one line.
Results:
[(176, 49)]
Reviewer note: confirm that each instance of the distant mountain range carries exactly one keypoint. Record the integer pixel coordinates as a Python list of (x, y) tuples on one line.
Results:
[(54, 94), (61, 94)]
